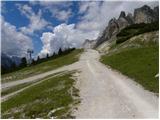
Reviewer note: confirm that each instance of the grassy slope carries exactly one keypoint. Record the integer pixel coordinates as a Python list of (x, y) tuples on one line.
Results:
[(14, 88), (43, 67), (140, 64), (37, 101), (24, 85)]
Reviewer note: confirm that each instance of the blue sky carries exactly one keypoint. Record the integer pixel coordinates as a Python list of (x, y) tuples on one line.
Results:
[(13, 15), (47, 26)]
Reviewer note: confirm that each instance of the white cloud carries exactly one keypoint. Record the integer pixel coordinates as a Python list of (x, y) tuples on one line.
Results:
[(55, 4), (37, 23), (83, 7), (59, 9), (62, 15), (64, 36), (13, 42)]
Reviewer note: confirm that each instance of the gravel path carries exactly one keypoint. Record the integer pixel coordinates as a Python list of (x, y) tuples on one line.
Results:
[(40, 76), (108, 94), (104, 93)]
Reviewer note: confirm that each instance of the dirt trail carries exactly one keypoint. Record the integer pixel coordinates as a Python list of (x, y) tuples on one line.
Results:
[(71, 67), (105, 93), (108, 94)]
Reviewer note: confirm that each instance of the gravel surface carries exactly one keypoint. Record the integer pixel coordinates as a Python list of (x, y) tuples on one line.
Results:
[(104, 93), (108, 94)]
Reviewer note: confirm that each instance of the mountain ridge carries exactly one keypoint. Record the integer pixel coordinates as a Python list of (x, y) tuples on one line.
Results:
[(144, 14)]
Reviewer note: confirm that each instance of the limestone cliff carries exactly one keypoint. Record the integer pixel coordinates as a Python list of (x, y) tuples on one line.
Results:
[(145, 14), (141, 15)]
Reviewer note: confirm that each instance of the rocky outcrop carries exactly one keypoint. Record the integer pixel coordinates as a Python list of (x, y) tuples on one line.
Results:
[(130, 18), (114, 26), (88, 44), (141, 15), (156, 12), (145, 14)]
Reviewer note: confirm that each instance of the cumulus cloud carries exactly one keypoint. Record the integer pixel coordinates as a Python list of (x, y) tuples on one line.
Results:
[(13, 42), (47, 3), (64, 36), (58, 9), (36, 21), (63, 15)]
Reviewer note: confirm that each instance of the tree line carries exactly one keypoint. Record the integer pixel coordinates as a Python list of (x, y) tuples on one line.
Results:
[(13, 67), (136, 29)]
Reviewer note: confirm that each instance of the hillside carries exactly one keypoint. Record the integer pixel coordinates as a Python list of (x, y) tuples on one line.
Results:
[(143, 68), (29, 71), (135, 53)]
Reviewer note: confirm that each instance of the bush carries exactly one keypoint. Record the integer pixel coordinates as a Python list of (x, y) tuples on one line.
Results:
[(123, 39), (136, 29)]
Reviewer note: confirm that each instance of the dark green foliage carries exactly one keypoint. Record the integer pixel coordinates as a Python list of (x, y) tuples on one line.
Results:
[(60, 51), (123, 39), (23, 62), (3, 70), (38, 58), (33, 62), (53, 54), (47, 56), (12, 68), (136, 29)]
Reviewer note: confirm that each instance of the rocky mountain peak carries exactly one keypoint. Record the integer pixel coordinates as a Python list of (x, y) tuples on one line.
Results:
[(122, 14), (156, 9), (112, 21), (145, 8), (130, 18), (88, 44), (145, 14), (156, 12)]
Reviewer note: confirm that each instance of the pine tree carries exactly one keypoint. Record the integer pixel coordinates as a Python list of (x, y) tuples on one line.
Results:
[(23, 62), (60, 51), (47, 56), (13, 66), (53, 54), (3, 70), (33, 62), (38, 58)]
